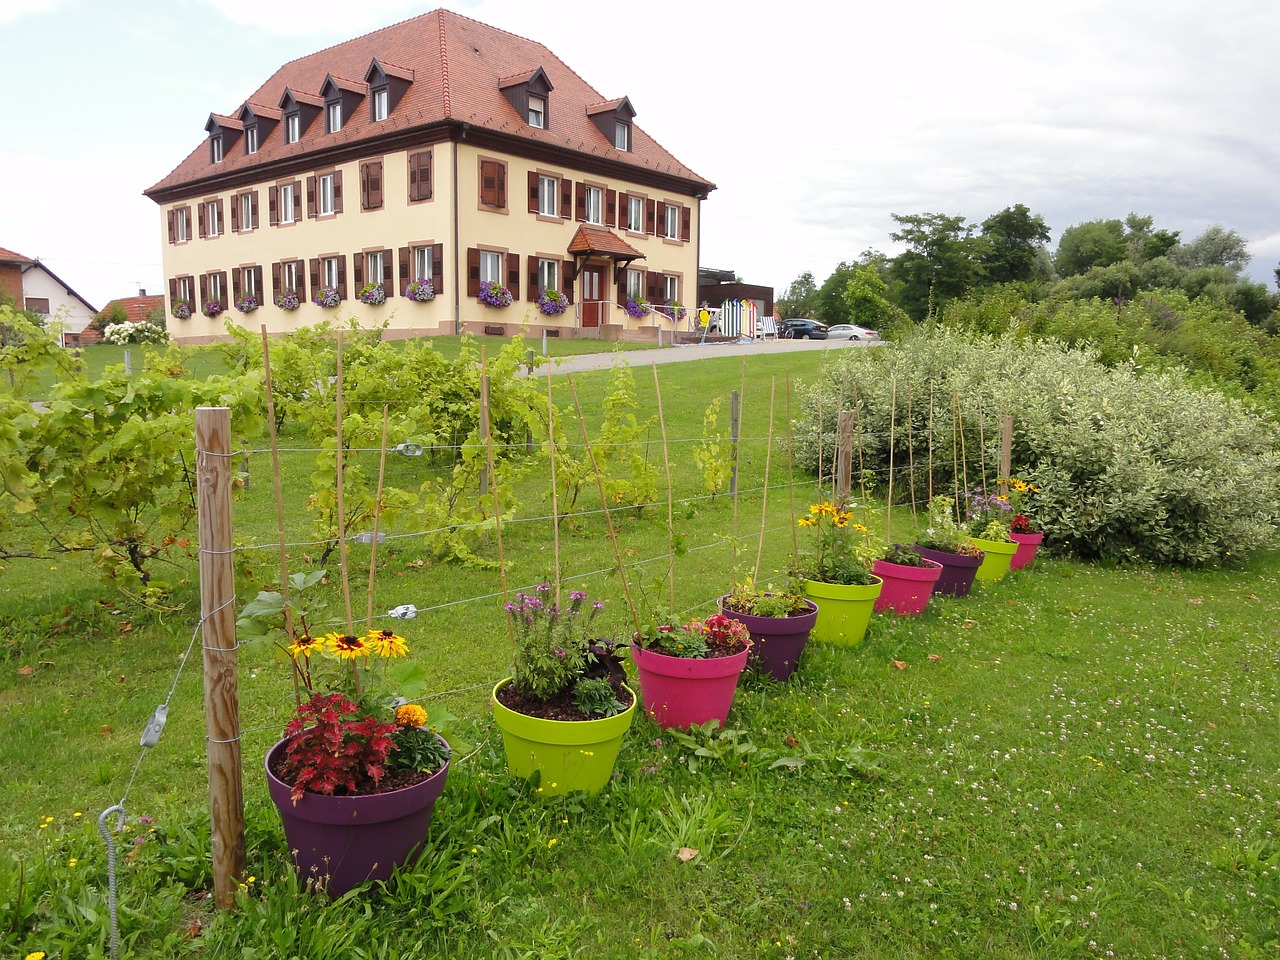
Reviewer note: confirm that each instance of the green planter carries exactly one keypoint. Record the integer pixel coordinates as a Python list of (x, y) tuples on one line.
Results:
[(843, 610), (570, 755), (998, 553)]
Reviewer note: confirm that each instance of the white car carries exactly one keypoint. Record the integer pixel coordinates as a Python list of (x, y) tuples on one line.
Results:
[(850, 331)]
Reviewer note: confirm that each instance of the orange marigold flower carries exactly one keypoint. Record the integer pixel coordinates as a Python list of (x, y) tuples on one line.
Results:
[(411, 715)]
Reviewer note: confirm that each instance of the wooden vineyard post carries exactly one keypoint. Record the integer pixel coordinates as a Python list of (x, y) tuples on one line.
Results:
[(218, 619), (844, 456)]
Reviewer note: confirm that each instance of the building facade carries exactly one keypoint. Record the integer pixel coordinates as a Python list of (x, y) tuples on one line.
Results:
[(411, 176), (33, 286)]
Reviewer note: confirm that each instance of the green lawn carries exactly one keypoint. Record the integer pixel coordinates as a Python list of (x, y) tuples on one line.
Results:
[(1073, 762)]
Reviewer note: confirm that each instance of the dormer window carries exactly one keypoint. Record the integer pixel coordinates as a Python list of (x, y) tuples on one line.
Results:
[(215, 147), (538, 112), (529, 93), (613, 119), (333, 116), (251, 139), (622, 136), (381, 104), (292, 127)]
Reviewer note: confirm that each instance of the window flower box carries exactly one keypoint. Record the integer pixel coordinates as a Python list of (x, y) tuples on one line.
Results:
[(494, 295), (182, 310), (637, 308), (552, 302), (328, 297), (247, 304), (212, 309), (421, 290), (288, 300), (372, 293)]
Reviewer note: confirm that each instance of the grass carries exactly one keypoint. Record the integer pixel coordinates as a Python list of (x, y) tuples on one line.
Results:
[(1075, 762)]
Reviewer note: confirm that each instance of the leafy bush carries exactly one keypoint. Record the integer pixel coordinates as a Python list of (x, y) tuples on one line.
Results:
[(1130, 464)]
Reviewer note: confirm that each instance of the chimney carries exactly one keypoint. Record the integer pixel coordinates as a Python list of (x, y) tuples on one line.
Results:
[(142, 292)]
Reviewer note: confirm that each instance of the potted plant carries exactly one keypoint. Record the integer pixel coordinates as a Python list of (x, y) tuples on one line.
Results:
[(908, 579), (327, 297), (247, 304), (688, 674), (944, 542), (836, 573), (372, 294), (565, 707), (1023, 529), (636, 307), (494, 294), (288, 300), (987, 519), (358, 772), (420, 290), (552, 302), (182, 310), (212, 308), (780, 623)]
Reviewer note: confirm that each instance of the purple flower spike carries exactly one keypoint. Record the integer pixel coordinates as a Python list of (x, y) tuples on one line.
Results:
[(543, 588), (559, 652), (598, 605), (577, 595)]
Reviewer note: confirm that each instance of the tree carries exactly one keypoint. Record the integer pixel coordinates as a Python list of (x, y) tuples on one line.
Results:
[(1097, 243), (1215, 247), (829, 302), (1144, 243), (799, 300), (942, 260), (1014, 235), (867, 300)]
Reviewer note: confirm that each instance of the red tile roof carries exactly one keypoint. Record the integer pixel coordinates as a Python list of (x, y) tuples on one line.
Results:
[(590, 239), (137, 308), (457, 63), (8, 256)]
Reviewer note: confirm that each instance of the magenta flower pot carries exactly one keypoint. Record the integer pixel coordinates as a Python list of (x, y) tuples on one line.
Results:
[(958, 570), (906, 589), (1028, 544), (777, 642), (682, 692), (340, 842)]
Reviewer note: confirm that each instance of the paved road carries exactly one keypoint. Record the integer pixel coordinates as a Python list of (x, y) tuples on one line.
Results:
[(693, 351)]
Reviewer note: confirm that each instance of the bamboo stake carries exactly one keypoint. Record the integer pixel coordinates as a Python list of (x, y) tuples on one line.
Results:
[(982, 444), (737, 455), (791, 475), (342, 509), (555, 491), (284, 550), (822, 424), (671, 529), (862, 466), (377, 515), (764, 500), (497, 508), (604, 502), (964, 456), (1006, 454), (893, 410), (911, 453), (931, 440), (955, 464)]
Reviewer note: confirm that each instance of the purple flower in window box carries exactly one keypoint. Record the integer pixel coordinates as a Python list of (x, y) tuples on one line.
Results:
[(247, 304), (372, 293), (288, 300), (494, 295), (552, 302), (421, 290), (212, 308), (637, 308), (182, 310), (328, 297)]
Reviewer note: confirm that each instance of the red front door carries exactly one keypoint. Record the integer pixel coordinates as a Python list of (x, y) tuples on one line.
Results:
[(592, 284)]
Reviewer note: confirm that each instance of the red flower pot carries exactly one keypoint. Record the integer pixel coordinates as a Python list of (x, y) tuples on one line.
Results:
[(1028, 544), (684, 692), (906, 589)]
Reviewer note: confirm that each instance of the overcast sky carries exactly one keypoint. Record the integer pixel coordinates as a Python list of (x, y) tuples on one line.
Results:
[(817, 121)]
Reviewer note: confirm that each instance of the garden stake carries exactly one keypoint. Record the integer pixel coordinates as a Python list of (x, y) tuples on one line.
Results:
[(497, 511), (930, 445), (964, 456), (911, 451), (377, 515), (555, 493), (671, 530), (893, 410), (822, 425), (275, 473), (604, 502), (955, 464), (737, 456), (791, 475), (982, 444), (342, 514), (764, 500)]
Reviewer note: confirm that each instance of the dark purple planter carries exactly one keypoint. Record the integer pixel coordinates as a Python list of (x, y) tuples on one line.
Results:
[(906, 589), (349, 840), (778, 641), (958, 570)]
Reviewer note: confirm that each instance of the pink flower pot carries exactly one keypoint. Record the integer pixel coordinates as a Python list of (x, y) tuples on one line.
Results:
[(684, 692), (1028, 544), (906, 589)]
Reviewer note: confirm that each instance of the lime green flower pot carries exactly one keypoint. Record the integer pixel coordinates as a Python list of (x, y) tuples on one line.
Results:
[(998, 554), (843, 610), (570, 755)]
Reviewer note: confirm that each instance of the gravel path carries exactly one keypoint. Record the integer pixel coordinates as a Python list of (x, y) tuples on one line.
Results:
[(694, 351)]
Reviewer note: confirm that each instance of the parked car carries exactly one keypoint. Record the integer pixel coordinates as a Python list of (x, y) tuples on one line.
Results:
[(850, 331), (802, 330)]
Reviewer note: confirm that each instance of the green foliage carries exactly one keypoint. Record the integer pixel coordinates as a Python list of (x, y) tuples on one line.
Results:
[(712, 455), (553, 642), (943, 260), (594, 696), (799, 299), (1097, 243), (1013, 237), (867, 302), (763, 600)]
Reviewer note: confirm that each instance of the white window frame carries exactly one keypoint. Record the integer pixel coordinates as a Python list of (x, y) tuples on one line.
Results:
[(548, 196), (491, 267), (183, 287), (181, 225), (548, 274), (324, 195), (289, 275), (333, 116), (595, 205), (292, 128), (622, 136), (375, 268), (246, 212), (251, 139), (635, 284), (635, 214), (248, 286), (381, 104), (330, 269), (672, 227), (215, 288), (288, 204), (421, 263), (211, 219), (538, 112), (216, 146), (670, 288)]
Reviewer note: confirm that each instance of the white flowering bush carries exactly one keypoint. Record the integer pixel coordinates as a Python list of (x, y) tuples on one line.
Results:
[(123, 334), (1130, 465)]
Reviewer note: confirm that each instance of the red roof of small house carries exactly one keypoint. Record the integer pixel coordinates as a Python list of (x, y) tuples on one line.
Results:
[(457, 64), (137, 308), (8, 256), (589, 240)]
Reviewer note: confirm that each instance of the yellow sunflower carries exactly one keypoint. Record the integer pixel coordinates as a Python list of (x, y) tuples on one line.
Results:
[(306, 645), (347, 646), (386, 643)]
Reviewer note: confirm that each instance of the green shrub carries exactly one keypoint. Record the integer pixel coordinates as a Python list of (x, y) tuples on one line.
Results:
[(1131, 464)]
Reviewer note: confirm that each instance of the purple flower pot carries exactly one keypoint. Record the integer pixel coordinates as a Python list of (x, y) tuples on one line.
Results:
[(349, 840), (906, 589), (1028, 544), (683, 692), (958, 570), (777, 641)]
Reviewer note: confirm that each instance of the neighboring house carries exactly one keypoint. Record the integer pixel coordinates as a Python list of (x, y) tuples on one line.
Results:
[(135, 309), (717, 286), (33, 286), (442, 149)]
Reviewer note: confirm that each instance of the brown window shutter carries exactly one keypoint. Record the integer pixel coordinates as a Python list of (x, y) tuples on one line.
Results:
[(364, 186), (235, 213), (513, 275), (611, 208), (311, 198), (200, 217), (222, 285), (173, 294), (650, 217), (437, 268), (652, 286), (622, 211), (566, 198), (301, 273), (357, 269), (253, 208), (532, 291), (425, 183), (686, 223), (173, 226), (277, 274), (420, 176), (535, 181), (204, 289), (257, 284), (337, 191), (342, 277), (622, 288), (580, 198), (488, 184), (315, 276), (375, 185), (566, 279), (235, 285), (413, 176), (273, 205), (502, 185), (222, 219), (473, 272), (660, 219), (389, 273), (406, 259)]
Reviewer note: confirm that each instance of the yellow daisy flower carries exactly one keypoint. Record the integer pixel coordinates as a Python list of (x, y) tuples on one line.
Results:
[(306, 645), (386, 643), (347, 646)]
